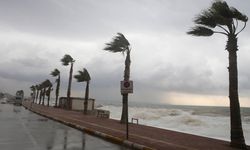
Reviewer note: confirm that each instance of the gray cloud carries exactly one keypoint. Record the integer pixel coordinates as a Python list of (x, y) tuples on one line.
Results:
[(184, 80), (35, 35), (32, 62)]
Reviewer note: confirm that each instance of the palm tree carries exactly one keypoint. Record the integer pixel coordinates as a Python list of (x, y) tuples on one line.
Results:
[(48, 88), (227, 19), (40, 93), (56, 73), (66, 60), (83, 76), (121, 44), (33, 89), (43, 91), (37, 91)]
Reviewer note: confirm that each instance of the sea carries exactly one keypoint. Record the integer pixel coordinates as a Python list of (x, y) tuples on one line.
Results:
[(207, 121)]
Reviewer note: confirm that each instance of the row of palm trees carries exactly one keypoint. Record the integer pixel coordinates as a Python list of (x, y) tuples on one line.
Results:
[(44, 89), (218, 16), (118, 44), (40, 91)]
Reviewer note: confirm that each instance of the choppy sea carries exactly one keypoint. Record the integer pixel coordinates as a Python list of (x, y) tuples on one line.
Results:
[(207, 121)]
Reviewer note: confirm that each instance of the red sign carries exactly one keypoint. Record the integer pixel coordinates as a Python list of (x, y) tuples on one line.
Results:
[(126, 87), (126, 84)]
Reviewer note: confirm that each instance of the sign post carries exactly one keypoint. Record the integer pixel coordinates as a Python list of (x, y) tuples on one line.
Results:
[(126, 87)]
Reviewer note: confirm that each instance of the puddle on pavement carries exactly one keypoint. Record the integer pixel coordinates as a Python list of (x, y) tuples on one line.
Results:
[(25, 130)]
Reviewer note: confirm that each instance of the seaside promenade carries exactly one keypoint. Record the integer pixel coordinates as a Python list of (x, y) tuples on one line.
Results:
[(140, 136)]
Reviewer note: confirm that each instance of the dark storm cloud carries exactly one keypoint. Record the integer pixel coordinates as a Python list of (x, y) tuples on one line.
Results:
[(81, 19)]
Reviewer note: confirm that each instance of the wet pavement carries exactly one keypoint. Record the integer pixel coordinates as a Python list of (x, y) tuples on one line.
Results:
[(21, 129), (140, 136)]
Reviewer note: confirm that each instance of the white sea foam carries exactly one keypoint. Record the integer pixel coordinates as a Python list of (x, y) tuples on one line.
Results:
[(208, 125)]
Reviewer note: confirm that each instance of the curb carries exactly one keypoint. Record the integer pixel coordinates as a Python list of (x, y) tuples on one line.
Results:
[(104, 136)]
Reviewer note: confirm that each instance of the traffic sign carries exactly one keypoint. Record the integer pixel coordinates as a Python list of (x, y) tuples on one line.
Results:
[(126, 87)]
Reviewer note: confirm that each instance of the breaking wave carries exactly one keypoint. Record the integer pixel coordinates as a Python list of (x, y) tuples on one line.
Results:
[(183, 120)]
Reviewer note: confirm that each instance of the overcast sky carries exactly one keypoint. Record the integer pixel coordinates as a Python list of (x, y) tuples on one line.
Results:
[(168, 66)]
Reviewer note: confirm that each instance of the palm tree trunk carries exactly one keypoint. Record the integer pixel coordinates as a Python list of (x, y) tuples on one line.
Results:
[(124, 108), (124, 116), (33, 96), (40, 96), (127, 67), (37, 92), (237, 137), (57, 89), (69, 86), (86, 98), (44, 92), (49, 96)]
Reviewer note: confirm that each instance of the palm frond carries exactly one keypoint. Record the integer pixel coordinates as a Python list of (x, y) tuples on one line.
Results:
[(32, 88), (200, 31), (206, 18), (55, 72), (46, 83), (238, 15), (79, 76), (67, 59), (86, 74), (38, 87), (118, 44), (221, 8), (218, 15), (82, 76), (41, 86), (220, 20)]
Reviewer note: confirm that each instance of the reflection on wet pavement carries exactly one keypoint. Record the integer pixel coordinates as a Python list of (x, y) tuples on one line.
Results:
[(24, 130)]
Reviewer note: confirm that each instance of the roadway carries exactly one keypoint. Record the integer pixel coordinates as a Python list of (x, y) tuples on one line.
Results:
[(21, 129)]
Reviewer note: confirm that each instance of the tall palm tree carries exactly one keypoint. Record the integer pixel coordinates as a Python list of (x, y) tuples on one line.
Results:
[(66, 60), (56, 73), (121, 44), (227, 19), (83, 76)]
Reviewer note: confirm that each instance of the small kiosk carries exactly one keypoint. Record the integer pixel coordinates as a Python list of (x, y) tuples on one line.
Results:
[(76, 103)]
